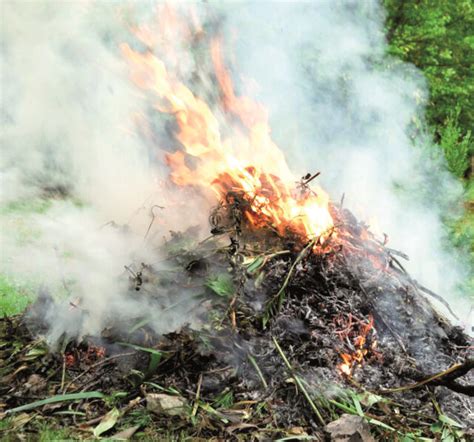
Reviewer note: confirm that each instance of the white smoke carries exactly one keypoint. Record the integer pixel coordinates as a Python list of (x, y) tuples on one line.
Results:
[(336, 105), (339, 105), (68, 126)]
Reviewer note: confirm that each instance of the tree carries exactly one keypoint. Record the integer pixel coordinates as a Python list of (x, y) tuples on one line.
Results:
[(437, 36)]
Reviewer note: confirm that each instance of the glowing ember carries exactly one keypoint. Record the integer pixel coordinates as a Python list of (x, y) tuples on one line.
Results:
[(357, 333), (90, 355), (246, 161)]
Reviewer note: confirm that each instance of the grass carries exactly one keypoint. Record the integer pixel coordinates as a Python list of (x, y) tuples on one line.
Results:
[(36, 205), (13, 297), (16, 295), (16, 224)]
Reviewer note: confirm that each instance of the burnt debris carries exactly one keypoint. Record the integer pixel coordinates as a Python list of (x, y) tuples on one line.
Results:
[(296, 332)]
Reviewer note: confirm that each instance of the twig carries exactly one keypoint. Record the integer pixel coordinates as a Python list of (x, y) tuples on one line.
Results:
[(454, 372), (434, 295), (397, 253), (299, 383), (129, 269), (198, 394), (153, 216), (63, 374), (311, 178), (280, 295), (342, 200), (396, 261), (97, 364)]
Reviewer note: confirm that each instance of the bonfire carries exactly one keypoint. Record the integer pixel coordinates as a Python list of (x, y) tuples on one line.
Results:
[(307, 314)]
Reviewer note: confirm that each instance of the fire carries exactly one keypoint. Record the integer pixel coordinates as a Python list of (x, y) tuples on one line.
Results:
[(230, 150), (91, 354), (361, 343)]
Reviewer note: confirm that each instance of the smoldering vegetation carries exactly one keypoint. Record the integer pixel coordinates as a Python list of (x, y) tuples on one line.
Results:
[(69, 115), (293, 331), (339, 104), (134, 291)]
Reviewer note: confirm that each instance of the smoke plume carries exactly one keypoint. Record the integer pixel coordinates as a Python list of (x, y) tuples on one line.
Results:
[(69, 111)]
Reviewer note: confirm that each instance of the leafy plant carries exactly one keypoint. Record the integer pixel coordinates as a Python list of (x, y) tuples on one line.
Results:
[(221, 284), (224, 400), (436, 36), (448, 429), (107, 422), (455, 144)]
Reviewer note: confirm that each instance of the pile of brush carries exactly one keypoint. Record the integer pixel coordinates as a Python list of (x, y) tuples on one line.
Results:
[(294, 334)]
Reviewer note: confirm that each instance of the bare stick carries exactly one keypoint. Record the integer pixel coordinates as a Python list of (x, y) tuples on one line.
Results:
[(198, 393), (311, 178), (434, 295), (153, 216), (453, 372)]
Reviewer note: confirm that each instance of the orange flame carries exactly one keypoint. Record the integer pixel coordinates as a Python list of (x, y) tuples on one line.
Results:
[(246, 160)]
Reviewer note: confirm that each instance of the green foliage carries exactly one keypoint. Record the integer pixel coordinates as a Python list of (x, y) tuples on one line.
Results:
[(58, 398), (255, 264), (107, 422), (221, 284), (13, 299), (448, 429), (48, 434), (224, 400), (461, 234), (437, 37), (455, 145), (27, 206)]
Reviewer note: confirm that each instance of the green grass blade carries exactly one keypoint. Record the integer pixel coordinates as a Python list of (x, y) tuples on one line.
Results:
[(58, 398), (137, 347)]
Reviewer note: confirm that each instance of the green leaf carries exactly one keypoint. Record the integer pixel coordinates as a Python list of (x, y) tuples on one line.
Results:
[(35, 353), (58, 398), (70, 413), (381, 424), (221, 284), (206, 407), (345, 407), (170, 390), (447, 436), (369, 399), (255, 264), (447, 420), (107, 422), (224, 400), (137, 347), (139, 325), (153, 364), (357, 406)]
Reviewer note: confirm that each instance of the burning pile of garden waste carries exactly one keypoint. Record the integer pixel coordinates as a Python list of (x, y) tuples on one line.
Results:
[(303, 315), (297, 331)]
